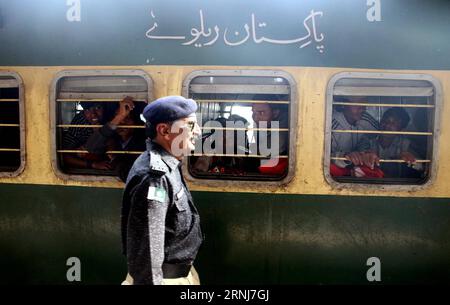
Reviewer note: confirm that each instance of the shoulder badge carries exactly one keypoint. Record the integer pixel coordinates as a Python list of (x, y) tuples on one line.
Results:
[(156, 193), (157, 166)]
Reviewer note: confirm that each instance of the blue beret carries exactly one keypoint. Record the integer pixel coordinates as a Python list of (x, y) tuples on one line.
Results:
[(169, 109)]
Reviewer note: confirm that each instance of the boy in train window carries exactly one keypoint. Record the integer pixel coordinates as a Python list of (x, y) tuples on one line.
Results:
[(393, 147), (263, 115), (350, 145), (76, 138)]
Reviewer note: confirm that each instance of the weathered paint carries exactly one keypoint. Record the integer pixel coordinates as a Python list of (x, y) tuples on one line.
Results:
[(309, 179), (250, 238)]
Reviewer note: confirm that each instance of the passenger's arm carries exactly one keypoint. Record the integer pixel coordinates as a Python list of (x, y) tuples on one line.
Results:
[(97, 142), (408, 157), (73, 161), (370, 159), (125, 107), (355, 157)]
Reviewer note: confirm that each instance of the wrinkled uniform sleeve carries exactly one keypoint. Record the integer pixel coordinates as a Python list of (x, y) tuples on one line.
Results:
[(145, 233)]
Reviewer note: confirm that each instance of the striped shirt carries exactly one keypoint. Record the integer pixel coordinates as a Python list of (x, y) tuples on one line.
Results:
[(343, 143), (77, 136)]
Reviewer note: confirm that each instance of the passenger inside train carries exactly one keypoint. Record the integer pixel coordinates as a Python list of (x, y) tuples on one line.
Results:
[(393, 147), (268, 145), (348, 145), (109, 137), (264, 115), (381, 156), (233, 142)]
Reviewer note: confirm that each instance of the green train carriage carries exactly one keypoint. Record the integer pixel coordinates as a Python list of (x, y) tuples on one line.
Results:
[(302, 227)]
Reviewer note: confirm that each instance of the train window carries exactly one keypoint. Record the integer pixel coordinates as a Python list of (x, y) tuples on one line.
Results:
[(248, 125), (381, 129), (97, 124), (12, 153)]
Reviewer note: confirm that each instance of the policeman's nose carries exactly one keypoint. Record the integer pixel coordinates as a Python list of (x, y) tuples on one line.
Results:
[(197, 130)]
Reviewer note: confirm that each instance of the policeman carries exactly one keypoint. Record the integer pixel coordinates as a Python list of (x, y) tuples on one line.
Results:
[(161, 231)]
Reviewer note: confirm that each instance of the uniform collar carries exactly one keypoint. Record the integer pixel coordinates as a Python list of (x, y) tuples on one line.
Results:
[(168, 159)]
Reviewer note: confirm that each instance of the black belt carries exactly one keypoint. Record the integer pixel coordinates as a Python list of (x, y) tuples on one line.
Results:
[(173, 271)]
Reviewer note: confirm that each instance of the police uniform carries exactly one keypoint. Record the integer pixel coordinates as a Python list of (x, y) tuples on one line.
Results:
[(161, 231)]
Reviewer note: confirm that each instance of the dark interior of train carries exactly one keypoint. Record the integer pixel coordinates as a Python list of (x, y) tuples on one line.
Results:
[(9, 135)]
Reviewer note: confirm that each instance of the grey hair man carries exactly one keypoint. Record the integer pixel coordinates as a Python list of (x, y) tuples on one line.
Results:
[(161, 231)]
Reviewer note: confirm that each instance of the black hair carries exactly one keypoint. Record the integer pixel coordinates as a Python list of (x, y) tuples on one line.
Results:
[(345, 99), (150, 130), (398, 113), (87, 105)]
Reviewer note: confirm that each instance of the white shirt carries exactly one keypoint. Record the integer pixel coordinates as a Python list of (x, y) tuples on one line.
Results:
[(343, 143)]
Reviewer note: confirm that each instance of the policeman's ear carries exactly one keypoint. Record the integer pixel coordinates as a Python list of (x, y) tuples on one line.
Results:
[(163, 129)]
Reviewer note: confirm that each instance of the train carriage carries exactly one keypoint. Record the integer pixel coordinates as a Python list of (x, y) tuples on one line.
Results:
[(302, 225)]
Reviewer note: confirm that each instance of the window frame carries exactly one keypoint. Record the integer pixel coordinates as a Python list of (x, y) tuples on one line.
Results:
[(54, 116), (293, 125), (21, 101), (383, 76)]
